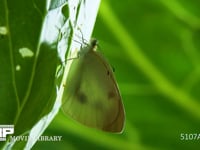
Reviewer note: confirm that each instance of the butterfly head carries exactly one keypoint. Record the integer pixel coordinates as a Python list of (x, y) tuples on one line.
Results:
[(94, 44)]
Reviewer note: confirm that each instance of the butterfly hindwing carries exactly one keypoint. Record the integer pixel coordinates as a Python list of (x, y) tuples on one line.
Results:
[(91, 95)]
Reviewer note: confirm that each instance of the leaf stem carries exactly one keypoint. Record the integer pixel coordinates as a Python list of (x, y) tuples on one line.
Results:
[(11, 55)]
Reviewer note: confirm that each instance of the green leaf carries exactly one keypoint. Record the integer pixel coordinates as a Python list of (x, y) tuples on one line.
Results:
[(55, 4), (28, 67)]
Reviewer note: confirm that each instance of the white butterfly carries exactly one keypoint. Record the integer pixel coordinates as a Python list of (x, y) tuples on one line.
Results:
[(91, 95)]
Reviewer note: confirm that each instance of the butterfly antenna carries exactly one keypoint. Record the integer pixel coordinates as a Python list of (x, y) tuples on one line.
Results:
[(83, 40)]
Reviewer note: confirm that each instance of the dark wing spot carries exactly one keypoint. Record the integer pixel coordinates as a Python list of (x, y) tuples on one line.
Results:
[(81, 97), (108, 73), (111, 95)]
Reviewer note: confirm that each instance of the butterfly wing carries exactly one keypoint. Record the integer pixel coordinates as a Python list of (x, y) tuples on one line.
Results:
[(91, 95)]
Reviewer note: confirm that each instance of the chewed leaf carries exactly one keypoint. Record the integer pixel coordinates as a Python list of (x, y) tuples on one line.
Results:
[(26, 52)]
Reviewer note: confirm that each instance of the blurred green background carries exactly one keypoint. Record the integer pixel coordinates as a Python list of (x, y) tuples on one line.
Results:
[(154, 47)]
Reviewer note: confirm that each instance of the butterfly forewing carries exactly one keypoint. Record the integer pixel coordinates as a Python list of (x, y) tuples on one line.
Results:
[(91, 95)]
